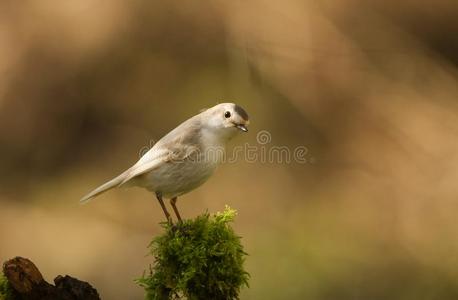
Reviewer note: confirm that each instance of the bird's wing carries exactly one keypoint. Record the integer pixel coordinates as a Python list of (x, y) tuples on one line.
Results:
[(145, 165), (180, 144)]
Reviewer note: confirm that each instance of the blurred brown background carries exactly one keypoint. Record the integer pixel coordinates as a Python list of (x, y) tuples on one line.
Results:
[(369, 87)]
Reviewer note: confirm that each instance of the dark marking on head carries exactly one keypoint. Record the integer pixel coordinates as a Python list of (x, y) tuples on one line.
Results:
[(241, 112)]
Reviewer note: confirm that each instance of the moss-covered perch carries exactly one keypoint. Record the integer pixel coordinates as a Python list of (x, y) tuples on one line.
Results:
[(197, 259), (5, 289), (21, 279)]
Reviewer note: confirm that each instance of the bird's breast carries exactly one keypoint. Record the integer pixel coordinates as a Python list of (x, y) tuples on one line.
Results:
[(175, 178)]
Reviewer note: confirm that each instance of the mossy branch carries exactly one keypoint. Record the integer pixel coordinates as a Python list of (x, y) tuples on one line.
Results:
[(5, 289), (197, 259)]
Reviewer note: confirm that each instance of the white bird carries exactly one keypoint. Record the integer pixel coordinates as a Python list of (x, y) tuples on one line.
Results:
[(184, 158)]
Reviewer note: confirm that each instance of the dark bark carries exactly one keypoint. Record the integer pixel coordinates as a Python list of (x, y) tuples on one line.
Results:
[(27, 283)]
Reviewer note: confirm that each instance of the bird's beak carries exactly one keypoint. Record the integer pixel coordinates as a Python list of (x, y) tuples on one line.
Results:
[(242, 127)]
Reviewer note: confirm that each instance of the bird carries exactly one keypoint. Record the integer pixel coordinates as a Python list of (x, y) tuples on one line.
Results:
[(183, 159)]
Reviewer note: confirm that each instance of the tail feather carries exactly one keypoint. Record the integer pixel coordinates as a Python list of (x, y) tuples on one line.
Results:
[(115, 182)]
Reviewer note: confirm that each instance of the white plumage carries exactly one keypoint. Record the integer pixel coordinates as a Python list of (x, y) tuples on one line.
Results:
[(186, 157)]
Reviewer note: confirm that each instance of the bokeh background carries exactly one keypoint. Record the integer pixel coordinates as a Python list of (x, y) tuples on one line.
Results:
[(369, 87)]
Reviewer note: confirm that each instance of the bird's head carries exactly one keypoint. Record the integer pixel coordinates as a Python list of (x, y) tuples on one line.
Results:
[(226, 120)]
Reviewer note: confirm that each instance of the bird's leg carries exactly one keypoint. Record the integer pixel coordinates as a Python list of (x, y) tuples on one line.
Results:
[(166, 213), (173, 202)]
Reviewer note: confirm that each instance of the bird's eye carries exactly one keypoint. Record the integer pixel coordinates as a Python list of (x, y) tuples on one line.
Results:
[(227, 114)]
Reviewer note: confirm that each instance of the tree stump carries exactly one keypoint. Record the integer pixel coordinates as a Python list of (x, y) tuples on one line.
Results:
[(26, 282)]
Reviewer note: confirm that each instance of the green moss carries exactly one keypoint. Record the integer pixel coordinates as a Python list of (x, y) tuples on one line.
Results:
[(197, 259), (5, 291)]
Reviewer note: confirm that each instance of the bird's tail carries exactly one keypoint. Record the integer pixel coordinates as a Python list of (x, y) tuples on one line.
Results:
[(115, 182)]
